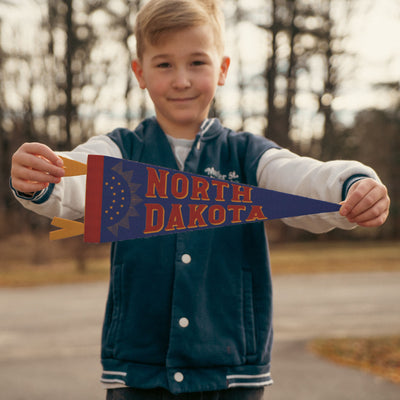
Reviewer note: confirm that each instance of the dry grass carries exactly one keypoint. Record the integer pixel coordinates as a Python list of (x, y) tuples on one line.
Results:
[(380, 356), (55, 272), (31, 261), (28, 260), (330, 257)]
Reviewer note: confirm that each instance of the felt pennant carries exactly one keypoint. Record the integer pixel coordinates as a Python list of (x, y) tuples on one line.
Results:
[(73, 168), (128, 200), (68, 229)]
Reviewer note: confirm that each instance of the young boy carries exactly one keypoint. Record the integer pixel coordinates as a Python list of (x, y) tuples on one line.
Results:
[(190, 314)]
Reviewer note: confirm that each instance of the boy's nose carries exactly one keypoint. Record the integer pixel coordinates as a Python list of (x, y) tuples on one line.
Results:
[(181, 81)]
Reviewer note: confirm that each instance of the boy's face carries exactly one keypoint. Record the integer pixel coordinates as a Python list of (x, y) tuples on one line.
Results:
[(181, 74)]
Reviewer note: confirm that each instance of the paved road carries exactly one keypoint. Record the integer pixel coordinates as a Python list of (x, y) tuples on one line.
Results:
[(339, 305), (49, 337), (336, 305)]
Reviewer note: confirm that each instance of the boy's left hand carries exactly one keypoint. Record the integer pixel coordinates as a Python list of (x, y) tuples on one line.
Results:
[(367, 203)]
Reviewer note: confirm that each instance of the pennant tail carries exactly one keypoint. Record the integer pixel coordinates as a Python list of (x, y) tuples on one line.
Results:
[(278, 205), (73, 168), (94, 198), (68, 229)]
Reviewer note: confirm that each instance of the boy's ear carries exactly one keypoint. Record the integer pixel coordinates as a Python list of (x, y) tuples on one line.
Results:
[(226, 62), (138, 71)]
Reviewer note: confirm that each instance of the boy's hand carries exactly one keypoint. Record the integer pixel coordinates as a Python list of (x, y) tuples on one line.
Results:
[(367, 203), (34, 166)]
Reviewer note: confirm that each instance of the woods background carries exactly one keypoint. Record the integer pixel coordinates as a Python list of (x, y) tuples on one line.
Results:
[(67, 77)]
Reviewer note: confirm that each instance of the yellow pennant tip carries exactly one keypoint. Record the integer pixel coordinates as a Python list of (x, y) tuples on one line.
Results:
[(73, 168), (68, 229)]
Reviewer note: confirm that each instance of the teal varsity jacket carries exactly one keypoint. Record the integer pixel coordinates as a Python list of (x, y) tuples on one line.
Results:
[(191, 311)]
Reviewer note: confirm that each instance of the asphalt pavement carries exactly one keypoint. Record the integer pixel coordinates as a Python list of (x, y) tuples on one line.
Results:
[(330, 305), (50, 337)]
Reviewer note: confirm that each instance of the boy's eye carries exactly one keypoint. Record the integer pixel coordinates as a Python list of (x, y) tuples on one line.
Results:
[(198, 63), (164, 65)]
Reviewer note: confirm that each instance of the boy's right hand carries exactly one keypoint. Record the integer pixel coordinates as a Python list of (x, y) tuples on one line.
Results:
[(34, 166)]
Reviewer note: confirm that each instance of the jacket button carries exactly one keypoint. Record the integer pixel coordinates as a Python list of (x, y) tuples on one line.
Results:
[(183, 322), (186, 259), (179, 377)]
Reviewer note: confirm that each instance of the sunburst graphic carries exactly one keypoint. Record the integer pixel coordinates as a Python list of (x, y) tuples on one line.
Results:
[(119, 199)]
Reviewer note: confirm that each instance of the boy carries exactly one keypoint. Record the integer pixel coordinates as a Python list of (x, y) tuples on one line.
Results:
[(189, 314)]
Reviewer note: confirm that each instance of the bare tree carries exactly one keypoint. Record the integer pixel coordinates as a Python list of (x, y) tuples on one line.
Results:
[(127, 23), (375, 140), (4, 139)]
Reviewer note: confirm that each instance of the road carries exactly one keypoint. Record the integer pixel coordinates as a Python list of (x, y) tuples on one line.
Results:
[(50, 337), (336, 305), (331, 305)]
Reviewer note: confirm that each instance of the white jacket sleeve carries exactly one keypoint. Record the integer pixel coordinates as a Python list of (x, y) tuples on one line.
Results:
[(67, 199), (284, 171)]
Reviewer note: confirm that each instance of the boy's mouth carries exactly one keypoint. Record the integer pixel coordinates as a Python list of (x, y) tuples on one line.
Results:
[(183, 99)]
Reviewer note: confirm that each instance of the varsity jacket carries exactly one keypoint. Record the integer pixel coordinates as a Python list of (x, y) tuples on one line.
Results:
[(192, 311)]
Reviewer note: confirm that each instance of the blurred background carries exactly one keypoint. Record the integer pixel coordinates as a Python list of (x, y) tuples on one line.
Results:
[(320, 77)]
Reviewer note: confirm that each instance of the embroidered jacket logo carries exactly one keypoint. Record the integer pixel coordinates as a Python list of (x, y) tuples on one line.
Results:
[(213, 173)]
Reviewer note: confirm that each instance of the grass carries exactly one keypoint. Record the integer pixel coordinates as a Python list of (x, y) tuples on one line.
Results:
[(52, 273), (33, 261), (29, 261), (331, 257), (380, 356)]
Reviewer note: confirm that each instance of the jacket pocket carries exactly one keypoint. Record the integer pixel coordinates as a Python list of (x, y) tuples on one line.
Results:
[(248, 318), (113, 310)]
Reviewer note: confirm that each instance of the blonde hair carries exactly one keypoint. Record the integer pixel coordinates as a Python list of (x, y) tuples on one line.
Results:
[(161, 16)]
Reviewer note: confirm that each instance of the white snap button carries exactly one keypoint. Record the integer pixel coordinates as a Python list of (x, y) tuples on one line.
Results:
[(183, 322), (178, 377), (186, 259)]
